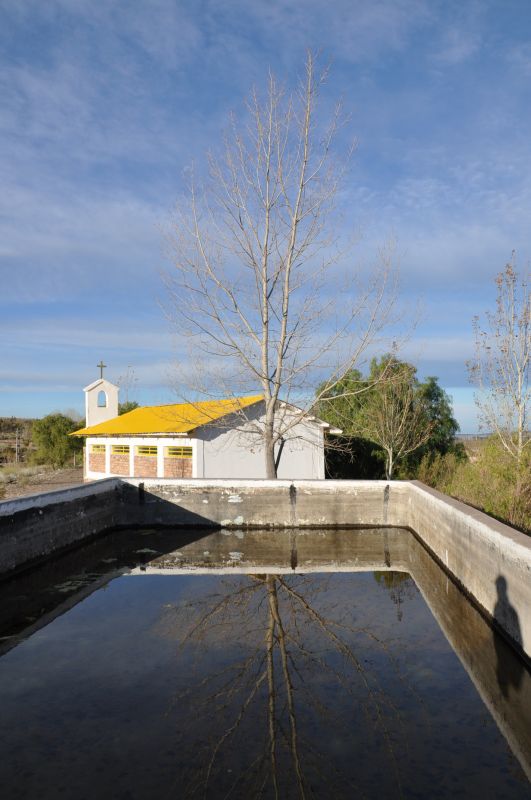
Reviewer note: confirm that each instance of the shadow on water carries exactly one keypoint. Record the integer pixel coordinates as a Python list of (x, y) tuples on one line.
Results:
[(509, 670), (31, 599)]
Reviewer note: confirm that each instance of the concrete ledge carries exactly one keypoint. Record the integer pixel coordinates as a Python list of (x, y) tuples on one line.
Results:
[(267, 504), (491, 561), (31, 501), (35, 526)]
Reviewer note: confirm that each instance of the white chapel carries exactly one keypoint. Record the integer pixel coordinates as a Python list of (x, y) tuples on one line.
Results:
[(204, 439)]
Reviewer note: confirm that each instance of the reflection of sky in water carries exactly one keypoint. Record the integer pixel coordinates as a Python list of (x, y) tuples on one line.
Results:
[(330, 685)]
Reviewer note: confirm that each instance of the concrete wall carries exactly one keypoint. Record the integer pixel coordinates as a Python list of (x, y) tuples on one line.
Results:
[(269, 504), (491, 561), (35, 526)]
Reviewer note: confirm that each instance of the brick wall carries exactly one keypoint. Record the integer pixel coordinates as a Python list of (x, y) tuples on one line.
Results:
[(177, 467), (145, 466), (97, 462), (120, 463)]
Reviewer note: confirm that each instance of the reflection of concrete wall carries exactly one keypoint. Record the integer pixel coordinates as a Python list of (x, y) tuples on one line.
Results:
[(476, 549), (288, 550), (499, 675)]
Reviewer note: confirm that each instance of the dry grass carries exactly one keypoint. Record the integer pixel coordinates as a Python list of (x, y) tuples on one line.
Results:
[(19, 480)]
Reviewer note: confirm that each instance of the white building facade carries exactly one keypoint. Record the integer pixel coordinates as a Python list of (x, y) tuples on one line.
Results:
[(213, 439)]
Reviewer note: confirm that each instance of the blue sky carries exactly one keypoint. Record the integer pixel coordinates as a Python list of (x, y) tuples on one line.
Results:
[(105, 104)]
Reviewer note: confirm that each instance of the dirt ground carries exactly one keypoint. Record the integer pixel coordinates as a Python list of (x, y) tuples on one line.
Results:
[(43, 482)]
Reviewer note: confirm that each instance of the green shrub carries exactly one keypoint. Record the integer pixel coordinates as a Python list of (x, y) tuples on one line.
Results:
[(494, 483), (54, 445), (491, 481), (438, 469)]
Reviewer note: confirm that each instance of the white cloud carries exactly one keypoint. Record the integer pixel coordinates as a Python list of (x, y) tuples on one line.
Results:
[(84, 247), (101, 115)]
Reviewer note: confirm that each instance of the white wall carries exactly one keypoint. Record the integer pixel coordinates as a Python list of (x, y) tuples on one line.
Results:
[(230, 453), (303, 455)]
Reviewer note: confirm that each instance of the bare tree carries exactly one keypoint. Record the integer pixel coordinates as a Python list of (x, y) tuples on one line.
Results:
[(128, 383), (254, 287), (500, 367)]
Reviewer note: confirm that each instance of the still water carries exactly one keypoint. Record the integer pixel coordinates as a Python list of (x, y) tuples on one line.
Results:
[(261, 664)]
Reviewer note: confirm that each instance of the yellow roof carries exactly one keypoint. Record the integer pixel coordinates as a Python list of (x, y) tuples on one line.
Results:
[(176, 418)]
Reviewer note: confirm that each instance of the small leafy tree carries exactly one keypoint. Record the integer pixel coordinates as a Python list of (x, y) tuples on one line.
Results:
[(394, 414), (54, 445), (439, 469), (444, 426), (443, 430), (390, 408)]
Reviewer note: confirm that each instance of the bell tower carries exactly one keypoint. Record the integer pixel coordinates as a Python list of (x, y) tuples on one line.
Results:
[(101, 400)]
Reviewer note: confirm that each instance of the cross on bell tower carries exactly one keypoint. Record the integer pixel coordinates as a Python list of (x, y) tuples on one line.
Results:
[(101, 367)]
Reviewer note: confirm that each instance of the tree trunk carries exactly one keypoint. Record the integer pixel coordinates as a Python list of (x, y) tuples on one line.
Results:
[(269, 450), (521, 426), (389, 466), (271, 470)]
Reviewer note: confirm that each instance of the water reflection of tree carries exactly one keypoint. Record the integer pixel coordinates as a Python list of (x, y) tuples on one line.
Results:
[(277, 646), (401, 587)]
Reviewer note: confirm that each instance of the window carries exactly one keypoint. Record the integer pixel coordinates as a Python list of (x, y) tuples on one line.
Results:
[(178, 452), (97, 448), (144, 450), (102, 400), (120, 449)]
